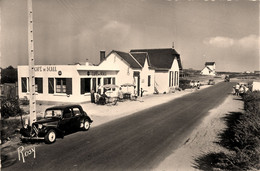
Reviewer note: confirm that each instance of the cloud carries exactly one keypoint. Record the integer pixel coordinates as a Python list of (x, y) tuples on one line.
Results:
[(222, 42), (247, 42), (116, 26)]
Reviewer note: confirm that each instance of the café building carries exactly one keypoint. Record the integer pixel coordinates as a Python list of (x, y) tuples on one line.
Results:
[(152, 70)]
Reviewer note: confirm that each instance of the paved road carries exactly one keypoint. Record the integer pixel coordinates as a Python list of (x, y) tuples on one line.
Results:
[(136, 142)]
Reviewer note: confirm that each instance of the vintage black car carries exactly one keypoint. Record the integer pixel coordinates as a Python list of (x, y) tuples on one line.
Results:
[(57, 122)]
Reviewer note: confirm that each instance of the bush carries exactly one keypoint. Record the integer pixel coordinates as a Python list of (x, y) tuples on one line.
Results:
[(184, 84), (9, 127), (252, 101), (242, 138), (10, 107)]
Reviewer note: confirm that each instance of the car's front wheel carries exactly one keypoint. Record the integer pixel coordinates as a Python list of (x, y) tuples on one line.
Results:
[(86, 125), (50, 137)]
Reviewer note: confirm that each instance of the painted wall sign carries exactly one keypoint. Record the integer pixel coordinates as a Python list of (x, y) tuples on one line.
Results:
[(94, 73), (45, 69)]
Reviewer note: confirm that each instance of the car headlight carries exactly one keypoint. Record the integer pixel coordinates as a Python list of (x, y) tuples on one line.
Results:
[(40, 126)]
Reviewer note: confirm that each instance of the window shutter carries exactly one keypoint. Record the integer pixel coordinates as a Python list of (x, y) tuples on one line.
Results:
[(51, 85), (39, 84), (68, 85), (114, 80), (24, 85), (82, 85)]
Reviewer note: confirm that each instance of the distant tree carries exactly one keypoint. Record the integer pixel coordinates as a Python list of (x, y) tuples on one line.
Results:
[(9, 75)]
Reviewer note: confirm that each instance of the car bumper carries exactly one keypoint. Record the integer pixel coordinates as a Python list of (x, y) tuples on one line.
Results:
[(32, 138)]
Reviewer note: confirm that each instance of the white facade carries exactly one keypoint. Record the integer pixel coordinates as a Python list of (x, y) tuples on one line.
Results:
[(64, 83), (166, 80), (147, 79), (126, 73), (74, 83), (209, 70)]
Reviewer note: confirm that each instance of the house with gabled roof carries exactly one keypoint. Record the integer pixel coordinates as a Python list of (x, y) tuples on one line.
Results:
[(209, 69), (153, 70)]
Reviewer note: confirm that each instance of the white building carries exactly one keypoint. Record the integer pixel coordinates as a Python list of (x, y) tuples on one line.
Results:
[(64, 83), (209, 69), (153, 70)]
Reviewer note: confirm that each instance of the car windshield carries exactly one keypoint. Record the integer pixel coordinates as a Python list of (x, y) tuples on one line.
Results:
[(53, 113)]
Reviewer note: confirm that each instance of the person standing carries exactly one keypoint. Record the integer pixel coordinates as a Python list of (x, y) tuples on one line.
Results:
[(99, 89), (142, 92), (92, 97), (237, 89), (198, 84)]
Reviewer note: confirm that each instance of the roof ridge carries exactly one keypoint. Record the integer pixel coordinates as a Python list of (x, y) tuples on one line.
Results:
[(135, 60), (119, 51), (154, 49)]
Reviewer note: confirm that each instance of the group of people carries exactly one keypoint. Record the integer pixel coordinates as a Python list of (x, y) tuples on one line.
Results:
[(240, 89), (111, 95), (195, 84)]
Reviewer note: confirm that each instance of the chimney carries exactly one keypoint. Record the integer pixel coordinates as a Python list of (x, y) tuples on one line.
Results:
[(102, 55), (173, 45)]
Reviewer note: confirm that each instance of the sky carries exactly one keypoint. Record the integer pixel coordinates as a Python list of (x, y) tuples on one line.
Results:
[(71, 31)]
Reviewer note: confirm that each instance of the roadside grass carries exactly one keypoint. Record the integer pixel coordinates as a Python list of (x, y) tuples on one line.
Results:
[(9, 129), (241, 138)]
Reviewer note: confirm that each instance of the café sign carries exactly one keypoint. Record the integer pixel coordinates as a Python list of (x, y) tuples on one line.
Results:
[(45, 69)]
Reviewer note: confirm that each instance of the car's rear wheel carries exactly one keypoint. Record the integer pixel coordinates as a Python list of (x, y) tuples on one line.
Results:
[(50, 137), (86, 125)]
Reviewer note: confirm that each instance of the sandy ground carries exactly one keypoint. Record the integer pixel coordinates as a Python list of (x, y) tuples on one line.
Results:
[(201, 140)]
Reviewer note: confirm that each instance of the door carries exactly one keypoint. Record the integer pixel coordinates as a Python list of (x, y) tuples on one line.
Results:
[(65, 123), (76, 118), (137, 82)]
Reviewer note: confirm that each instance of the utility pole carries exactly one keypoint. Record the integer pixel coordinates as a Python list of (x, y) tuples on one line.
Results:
[(31, 64)]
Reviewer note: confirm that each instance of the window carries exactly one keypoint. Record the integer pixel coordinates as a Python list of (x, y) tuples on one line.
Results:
[(176, 78), (24, 84), (107, 81), (170, 79), (38, 85), (61, 85), (76, 111), (51, 85), (85, 85), (149, 80)]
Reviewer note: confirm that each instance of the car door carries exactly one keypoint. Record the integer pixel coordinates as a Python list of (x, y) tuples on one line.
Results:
[(65, 123), (76, 117)]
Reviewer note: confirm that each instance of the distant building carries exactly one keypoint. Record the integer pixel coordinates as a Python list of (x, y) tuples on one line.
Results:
[(257, 72), (209, 69)]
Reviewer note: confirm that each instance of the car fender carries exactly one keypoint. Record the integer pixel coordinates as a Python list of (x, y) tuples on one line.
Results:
[(59, 132)]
